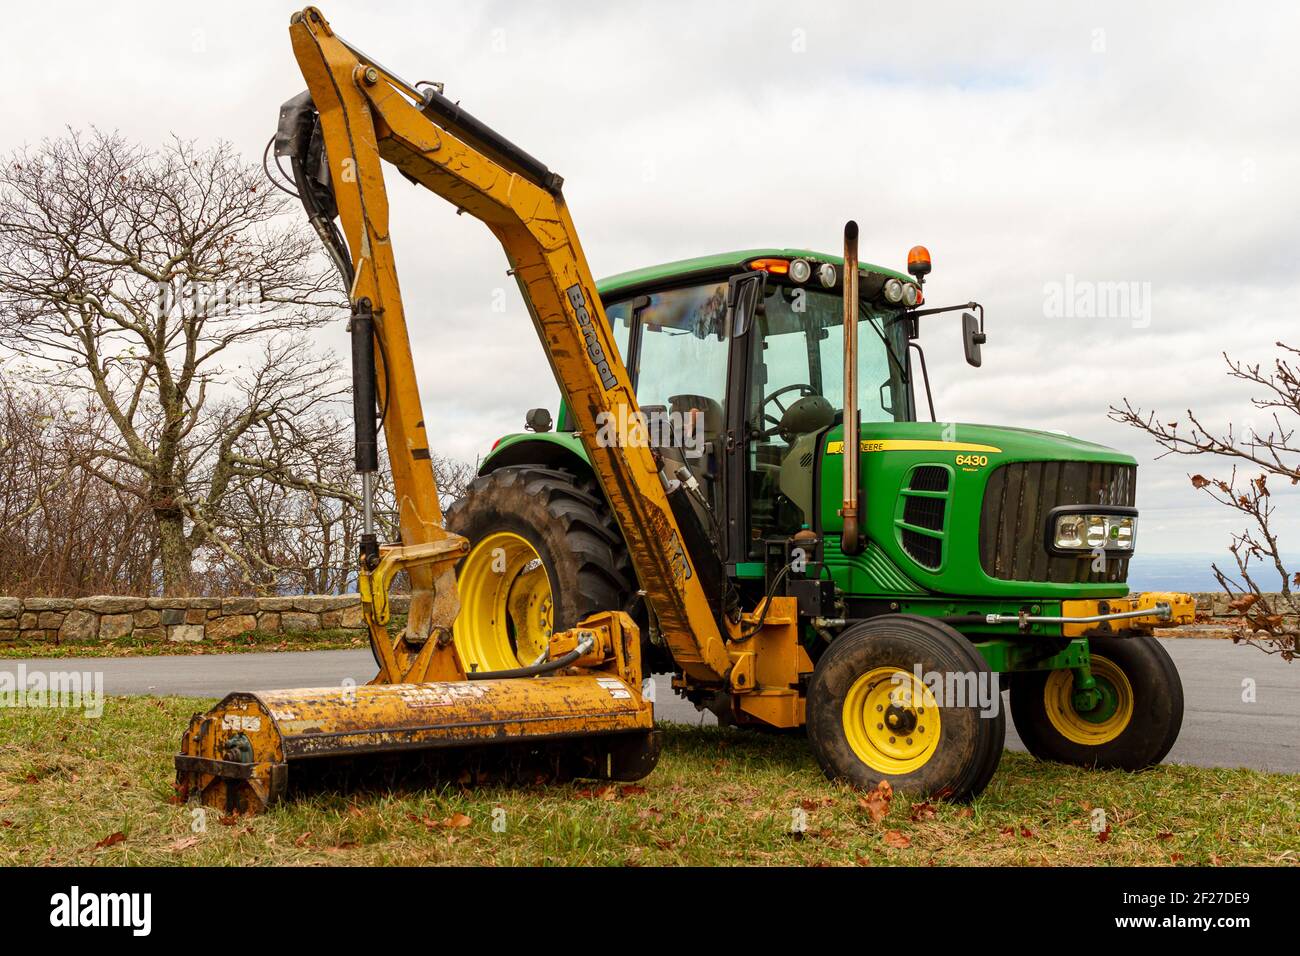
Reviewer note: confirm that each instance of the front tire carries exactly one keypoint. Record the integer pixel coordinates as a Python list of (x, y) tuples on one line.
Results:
[(870, 719), (1134, 726), (544, 553)]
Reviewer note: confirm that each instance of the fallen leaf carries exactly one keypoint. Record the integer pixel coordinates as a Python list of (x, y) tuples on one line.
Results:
[(1175, 858), (1104, 835), (922, 811), (632, 790), (862, 860), (1164, 836), (31, 778), (113, 839), (302, 840), (878, 801), (347, 845), (7, 824), (965, 813), (456, 821), (900, 841), (184, 844)]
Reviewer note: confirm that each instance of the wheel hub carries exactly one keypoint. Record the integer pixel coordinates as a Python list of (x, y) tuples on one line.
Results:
[(891, 720), (1092, 716), (507, 608)]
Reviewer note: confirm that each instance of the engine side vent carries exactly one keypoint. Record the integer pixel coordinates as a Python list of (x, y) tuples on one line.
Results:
[(926, 512), (923, 549), (923, 513), (929, 478)]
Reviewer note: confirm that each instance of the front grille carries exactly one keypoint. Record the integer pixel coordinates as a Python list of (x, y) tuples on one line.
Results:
[(1013, 519)]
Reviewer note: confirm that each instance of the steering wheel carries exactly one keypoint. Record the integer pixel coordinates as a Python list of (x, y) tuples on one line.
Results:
[(774, 399)]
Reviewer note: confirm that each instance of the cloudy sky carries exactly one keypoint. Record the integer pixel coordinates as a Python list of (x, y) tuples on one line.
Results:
[(1029, 146)]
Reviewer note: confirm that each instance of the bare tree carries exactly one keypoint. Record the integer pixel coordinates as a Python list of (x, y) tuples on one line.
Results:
[(63, 530), (145, 279), (1269, 622), (287, 537)]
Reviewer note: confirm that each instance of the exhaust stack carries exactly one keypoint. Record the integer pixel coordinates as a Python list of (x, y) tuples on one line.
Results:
[(851, 540)]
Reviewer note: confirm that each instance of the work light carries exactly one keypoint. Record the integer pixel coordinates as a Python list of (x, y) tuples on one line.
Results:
[(1087, 531)]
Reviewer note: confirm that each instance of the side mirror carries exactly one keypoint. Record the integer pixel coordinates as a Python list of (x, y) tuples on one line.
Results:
[(538, 420), (744, 297), (972, 339)]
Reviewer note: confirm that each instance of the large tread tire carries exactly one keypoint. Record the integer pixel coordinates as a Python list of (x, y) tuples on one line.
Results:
[(565, 518), (970, 744), (1151, 731)]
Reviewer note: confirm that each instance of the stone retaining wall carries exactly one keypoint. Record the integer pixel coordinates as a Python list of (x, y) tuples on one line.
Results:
[(181, 619), (195, 619)]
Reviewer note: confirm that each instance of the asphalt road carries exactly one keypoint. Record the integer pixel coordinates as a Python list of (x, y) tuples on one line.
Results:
[(1220, 728)]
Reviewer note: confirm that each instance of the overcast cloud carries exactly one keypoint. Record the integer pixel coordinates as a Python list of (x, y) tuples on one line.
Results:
[(1113, 143)]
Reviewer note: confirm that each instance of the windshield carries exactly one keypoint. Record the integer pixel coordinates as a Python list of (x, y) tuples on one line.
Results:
[(683, 350), (803, 344)]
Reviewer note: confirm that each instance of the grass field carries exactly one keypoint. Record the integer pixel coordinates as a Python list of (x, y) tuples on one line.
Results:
[(75, 790)]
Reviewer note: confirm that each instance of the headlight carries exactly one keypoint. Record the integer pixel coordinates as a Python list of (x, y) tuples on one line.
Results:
[(1088, 531), (909, 294), (826, 274), (800, 270), (893, 290)]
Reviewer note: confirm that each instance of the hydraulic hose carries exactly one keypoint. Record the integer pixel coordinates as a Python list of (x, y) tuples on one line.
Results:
[(532, 670)]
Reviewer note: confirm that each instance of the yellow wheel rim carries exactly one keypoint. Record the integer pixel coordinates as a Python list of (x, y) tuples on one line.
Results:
[(506, 608), (891, 721), (1078, 727)]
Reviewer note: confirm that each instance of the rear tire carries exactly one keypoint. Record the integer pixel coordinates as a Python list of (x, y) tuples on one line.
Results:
[(1147, 717), (863, 730), (534, 513)]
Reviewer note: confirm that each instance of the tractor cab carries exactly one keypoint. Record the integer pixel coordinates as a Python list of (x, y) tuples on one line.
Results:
[(741, 393)]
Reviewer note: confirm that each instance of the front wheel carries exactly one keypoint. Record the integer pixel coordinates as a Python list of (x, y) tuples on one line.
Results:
[(544, 553), (871, 718), (1132, 722)]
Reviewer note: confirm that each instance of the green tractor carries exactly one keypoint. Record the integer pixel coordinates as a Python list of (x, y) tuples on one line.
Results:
[(974, 551)]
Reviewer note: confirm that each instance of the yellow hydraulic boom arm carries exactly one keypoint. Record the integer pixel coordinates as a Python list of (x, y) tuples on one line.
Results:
[(368, 114)]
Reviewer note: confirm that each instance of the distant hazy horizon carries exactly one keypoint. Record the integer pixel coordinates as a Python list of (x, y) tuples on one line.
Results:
[(1191, 571)]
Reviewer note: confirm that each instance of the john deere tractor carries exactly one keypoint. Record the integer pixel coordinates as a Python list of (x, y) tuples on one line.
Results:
[(974, 553), (738, 491)]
